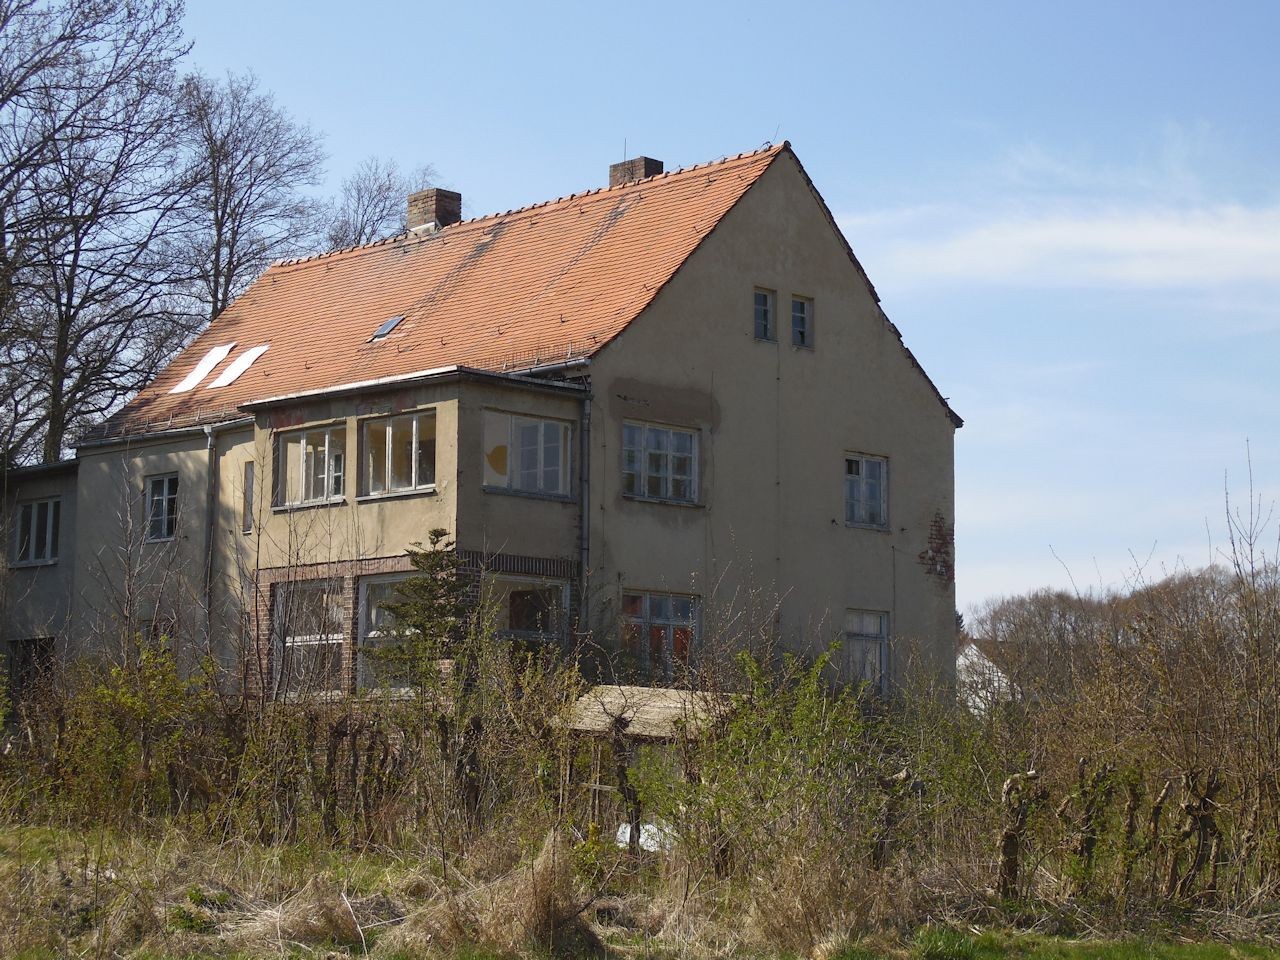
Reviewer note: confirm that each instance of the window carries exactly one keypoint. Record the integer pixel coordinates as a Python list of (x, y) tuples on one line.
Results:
[(38, 531), (864, 491), (801, 322), (527, 606), (867, 639), (765, 329), (659, 463), (377, 629), (400, 454), (309, 636), (246, 503), (162, 507), (526, 454), (313, 466), (659, 627)]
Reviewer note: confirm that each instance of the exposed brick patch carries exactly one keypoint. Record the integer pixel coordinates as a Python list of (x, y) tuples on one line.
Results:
[(939, 557)]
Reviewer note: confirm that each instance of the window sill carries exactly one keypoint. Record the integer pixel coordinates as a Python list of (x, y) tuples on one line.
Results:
[(874, 527), (25, 564), (773, 340), (807, 347), (397, 494), (531, 495), (669, 503), (160, 539), (310, 505)]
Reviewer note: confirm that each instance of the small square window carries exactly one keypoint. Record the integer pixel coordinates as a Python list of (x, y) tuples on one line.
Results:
[(162, 507), (801, 322), (865, 491), (765, 325)]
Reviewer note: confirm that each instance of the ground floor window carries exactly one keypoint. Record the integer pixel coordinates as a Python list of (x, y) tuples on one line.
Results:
[(377, 632), (27, 664), (309, 637), (660, 628), (867, 647), (519, 606)]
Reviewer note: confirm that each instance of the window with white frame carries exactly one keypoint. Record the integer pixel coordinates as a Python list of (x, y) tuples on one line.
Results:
[(660, 628), (162, 507), (867, 647), (659, 463), (765, 325), (377, 628), (865, 483), (309, 636), (526, 454), (312, 465), (526, 606), (801, 322), (399, 453), (38, 531)]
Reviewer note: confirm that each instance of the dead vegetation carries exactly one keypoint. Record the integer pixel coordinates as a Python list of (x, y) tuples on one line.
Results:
[(1124, 779)]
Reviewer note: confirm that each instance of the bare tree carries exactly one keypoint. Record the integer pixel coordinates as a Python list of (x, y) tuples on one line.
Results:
[(57, 63), (372, 205), (251, 165), (86, 195)]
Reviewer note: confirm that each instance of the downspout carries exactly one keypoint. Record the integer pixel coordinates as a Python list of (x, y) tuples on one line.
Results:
[(210, 513), (584, 502)]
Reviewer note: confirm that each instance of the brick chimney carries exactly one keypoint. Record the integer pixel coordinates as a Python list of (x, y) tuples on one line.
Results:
[(635, 169), (433, 207)]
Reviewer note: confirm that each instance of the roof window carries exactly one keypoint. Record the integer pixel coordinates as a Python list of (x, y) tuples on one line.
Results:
[(238, 366), (203, 368), (387, 327)]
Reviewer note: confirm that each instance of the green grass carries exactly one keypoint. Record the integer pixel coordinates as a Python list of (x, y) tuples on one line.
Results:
[(938, 943)]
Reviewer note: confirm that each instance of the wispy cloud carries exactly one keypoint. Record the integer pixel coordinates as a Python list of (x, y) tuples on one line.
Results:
[(1149, 248), (1034, 218)]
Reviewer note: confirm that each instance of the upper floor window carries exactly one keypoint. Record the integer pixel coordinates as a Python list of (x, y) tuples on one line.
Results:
[(867, 635), (162, 507), (765, 324), (399, 453), (660, 627), (864, 490), (801, 322), (309, 634), (659, 463), (38, 531), (312, 465), (526, 454)]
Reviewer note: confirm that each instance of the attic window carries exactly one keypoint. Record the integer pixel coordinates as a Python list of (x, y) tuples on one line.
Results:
[(203, 368), (387, 327), (238, 366)]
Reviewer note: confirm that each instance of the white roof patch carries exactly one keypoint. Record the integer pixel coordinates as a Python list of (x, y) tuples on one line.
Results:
[(238, 366), (204, 368)]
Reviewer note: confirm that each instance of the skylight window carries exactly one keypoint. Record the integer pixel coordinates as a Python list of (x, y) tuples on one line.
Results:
[(238, 366), (203, 368), (387, 327)]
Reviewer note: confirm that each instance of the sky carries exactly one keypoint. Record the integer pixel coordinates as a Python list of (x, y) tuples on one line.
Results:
[(1071, 212)]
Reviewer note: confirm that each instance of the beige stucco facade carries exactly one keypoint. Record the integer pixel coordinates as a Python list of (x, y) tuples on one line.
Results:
[(764, 545)]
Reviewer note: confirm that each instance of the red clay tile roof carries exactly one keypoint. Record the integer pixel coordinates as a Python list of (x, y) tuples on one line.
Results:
[(546, 283)]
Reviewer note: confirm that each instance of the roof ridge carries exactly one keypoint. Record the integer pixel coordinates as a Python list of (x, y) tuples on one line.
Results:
[(410, 234)]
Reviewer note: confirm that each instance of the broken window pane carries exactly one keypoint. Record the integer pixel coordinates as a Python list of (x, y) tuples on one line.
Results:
[(401, 453), (375, 454), (426, 450)]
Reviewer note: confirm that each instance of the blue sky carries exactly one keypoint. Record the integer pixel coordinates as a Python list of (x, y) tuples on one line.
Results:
[(1072, 213)]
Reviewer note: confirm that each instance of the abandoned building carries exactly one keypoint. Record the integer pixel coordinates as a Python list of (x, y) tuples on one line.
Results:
[(648, 413)]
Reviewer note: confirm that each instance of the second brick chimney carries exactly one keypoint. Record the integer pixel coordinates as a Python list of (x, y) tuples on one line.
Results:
[(635, 169), (433, 207)]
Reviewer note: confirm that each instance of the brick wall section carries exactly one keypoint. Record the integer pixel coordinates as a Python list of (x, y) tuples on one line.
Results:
[(475, 563)]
